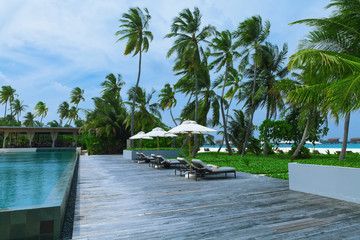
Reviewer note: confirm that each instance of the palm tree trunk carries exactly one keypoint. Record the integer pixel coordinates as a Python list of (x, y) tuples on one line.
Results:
[(172, 117), (223, 112), (248, 131), (196, 114), (302, 142), (265, 140), (5, 108), (185, 141), (221, 144), (345, 138), (134, 100)]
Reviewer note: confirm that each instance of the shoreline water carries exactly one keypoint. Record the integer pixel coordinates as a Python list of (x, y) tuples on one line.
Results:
[(321, 150)]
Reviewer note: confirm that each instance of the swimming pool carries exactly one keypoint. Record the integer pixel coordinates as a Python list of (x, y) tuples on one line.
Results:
[(34, 188)]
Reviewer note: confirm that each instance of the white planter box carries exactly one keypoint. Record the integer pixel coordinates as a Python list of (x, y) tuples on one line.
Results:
[(329, 181), (129, 154)]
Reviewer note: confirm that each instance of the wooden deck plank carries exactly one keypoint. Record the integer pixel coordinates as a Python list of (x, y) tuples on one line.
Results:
[(119, 199)]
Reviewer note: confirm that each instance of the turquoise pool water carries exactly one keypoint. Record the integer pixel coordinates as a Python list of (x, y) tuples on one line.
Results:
[(27, 179)]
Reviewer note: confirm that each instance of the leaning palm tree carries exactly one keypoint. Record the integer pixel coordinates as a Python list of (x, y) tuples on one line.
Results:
[(332, 51), (73, 115), (272, 70), (167, 99), (18, 107), (41, 110), (112, 85), (63, 111), (76, 96), (7, 95), (225, 53), (29, 120), (134, 27), (147, 113), (186, 29), (250, 34)]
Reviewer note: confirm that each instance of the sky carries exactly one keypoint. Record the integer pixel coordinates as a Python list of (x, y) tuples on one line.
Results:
[(49, 47)]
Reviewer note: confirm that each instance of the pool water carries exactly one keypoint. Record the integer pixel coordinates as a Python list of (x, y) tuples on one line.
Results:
[(27, 179)]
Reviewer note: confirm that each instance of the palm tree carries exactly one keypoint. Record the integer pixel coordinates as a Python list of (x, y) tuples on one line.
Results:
[(234, 91), (251, 34), (224, 53), (167, 99), (73, 115), (134, 28), (333, 50), (112, 86), (29, 120), (63, 111), (147, 113), (41, 110), (7, 94), (189, 36), (272, 70), (76, 96), (18, 107)]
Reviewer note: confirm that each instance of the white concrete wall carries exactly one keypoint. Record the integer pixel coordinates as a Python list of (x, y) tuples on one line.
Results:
[(329, 181)]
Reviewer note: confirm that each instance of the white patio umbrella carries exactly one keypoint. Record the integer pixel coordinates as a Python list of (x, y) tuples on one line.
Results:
[(140, 135), (159, 132), (191, 127)]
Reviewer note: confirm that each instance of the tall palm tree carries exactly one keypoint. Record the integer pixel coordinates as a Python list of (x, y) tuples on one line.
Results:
[(29, 120), (167, 99), (250, 34), (134, 27), (73, 114), (76, 96), (333, 50), (63, 111), (224, 53), (112, 85), (18, 107), (41, 110), (186, 29), (7, 95), (147, 113), (272, 70), (234, 92)]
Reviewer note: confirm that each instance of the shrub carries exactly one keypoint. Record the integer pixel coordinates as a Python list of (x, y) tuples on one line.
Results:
[(304, 152)]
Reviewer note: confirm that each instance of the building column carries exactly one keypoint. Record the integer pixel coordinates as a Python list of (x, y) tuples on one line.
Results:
[(53, 137), (30, 137), (6, 134)]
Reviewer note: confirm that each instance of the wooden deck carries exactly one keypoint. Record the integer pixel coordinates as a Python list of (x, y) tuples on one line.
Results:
[(119, 199)]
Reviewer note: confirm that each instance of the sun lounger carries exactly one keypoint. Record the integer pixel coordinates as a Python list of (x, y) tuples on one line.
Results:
[(142, 158), (167, 163), (184, 166), (204, 169)]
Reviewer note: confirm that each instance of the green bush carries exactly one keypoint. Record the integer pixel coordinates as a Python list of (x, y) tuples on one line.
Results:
[(303, 154)]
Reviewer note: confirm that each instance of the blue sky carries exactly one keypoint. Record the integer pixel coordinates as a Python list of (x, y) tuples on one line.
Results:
[(48, 47)]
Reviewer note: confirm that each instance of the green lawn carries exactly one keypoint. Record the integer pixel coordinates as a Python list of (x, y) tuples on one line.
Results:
[(274, 165)]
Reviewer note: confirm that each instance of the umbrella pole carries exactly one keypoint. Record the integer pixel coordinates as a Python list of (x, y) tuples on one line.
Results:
[(190, 150), (140, 143)]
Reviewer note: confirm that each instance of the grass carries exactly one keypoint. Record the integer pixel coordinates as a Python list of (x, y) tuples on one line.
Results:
[(274, 165), (151, 149)]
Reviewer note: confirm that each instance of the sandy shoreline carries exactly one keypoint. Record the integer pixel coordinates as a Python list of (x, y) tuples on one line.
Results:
[(286, 149)]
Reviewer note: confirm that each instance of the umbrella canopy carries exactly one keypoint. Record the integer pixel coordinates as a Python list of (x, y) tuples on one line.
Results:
[(191, 127), (159, 132), (140, 135)]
